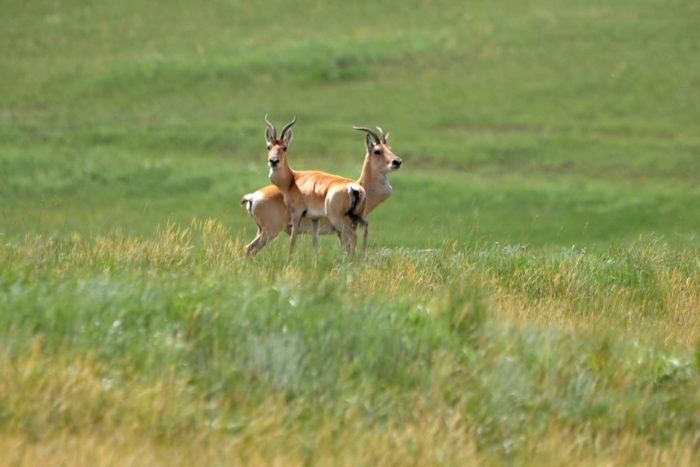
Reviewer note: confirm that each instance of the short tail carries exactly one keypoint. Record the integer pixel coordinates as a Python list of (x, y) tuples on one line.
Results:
[(247, 202)]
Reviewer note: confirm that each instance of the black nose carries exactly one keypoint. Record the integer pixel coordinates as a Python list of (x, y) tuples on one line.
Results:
[(396, 163), (274, 162)]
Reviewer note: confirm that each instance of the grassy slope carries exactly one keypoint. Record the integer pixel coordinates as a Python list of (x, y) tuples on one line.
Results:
[(127, 107), (525, 128), (480, 354)]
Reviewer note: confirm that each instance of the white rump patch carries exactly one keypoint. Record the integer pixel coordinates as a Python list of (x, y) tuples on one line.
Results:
[(252, 200)]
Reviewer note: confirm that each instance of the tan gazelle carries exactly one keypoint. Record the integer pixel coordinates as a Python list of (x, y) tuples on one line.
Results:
[(314, 194), (266, 205)]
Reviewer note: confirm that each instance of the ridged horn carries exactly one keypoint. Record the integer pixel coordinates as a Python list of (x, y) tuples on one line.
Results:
[(270, 128), (369, 131), (384, 136), (287, 127)]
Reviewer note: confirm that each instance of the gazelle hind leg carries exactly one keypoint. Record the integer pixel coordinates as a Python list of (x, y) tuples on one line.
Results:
[(249, 247), (262, 239), (346, 230), (270, 217), (253, 247), (362, 222)]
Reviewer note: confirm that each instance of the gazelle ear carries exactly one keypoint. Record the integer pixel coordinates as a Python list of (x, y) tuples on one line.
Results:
[(268, 135), (288, 137)]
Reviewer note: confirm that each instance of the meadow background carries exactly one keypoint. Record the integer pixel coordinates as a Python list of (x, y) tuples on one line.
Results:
[(531, 290)]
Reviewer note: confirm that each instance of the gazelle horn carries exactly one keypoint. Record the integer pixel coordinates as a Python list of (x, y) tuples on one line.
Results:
[(287, 127), (370, 131), (270, 128)]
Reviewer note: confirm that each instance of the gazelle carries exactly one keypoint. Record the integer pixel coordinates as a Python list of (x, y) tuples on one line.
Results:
[(266, 205), (314, 194)]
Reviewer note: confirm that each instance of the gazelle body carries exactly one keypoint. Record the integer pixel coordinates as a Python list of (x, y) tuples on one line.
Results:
[(266, 205), (314, 194)]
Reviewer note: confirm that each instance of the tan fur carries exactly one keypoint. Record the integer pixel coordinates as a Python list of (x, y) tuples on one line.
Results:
[(272, 216), (315, 194)]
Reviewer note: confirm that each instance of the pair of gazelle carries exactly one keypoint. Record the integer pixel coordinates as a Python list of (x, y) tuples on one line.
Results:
[(317, 202)]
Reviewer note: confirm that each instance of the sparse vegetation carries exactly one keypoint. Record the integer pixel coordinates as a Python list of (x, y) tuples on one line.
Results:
[(531, 290)]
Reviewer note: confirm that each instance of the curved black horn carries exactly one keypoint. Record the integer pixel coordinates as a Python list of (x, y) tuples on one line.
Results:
[(384, 136), (370, 131), (287, 127), (271, 128)]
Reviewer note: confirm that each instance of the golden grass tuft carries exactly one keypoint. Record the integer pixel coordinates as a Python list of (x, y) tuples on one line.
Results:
[(65, 404)]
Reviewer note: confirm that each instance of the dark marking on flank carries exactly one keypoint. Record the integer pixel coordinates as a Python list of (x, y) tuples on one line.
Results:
[(356, 198)]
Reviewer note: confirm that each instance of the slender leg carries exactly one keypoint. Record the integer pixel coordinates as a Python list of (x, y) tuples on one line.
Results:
[(296, 222), (362, 222), (365, 227), (265, 235), (252, 247), (347, 233), (314, 235), (260, 241), (350, 240)]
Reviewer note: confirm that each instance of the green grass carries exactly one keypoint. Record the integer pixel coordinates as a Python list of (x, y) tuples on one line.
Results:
[(516, 345), (530, 289)]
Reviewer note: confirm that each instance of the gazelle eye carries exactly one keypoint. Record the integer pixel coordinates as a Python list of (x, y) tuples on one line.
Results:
[(269, 146), (284, 148), (377, 151)]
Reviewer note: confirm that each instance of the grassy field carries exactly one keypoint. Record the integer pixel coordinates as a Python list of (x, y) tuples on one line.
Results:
[(530, 294)]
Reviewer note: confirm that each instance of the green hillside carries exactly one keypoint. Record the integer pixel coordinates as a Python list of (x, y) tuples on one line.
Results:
[(531, 289)]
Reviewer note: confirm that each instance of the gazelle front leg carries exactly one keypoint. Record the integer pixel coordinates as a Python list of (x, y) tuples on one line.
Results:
[(296, 223), (365, 226), (314, 235)]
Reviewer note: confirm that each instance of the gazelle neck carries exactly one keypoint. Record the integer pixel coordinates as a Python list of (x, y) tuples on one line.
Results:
[(375, 183), (282, 176)]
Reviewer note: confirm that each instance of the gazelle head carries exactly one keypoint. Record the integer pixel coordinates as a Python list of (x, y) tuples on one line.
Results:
[(380, 154), (277, 147)]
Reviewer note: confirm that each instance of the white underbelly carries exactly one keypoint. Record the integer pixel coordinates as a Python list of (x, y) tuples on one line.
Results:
[(315, 213)]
